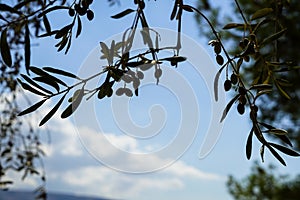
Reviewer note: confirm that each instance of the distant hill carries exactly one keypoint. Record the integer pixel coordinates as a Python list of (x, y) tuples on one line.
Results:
[(24, 195)]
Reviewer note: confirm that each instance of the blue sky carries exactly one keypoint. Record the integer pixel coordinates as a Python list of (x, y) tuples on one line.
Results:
[(73, 162)]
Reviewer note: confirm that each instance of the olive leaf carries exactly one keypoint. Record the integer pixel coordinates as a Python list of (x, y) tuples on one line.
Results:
[(60, 72), (35, 84), (52, 111), (216, 82), (261, 13), (32, 108), (233, 25), (273, 37), (27, 50), (228, 106), (123, 13), (5, 49), (25, 86), (46, 24), (276, 155), (249, 144), (74, 105), (79, 26), (48, 81), (285, 150)]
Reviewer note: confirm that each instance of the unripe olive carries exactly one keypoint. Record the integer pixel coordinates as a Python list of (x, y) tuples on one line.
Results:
[(71, 12), (140, 75), (120, 91), (128, 92), (243, 99), (90, 15), (233, 79), (227, 85), (158, 73), (242, 90), (220, 60), (241, 108)]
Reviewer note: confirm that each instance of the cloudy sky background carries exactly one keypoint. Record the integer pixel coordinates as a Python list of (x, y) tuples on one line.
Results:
[(72, 168)]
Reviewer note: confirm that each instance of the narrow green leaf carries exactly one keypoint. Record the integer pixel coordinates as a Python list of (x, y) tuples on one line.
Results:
[(52, 9), (47, 24), (261, 13), (226, 110), (32, 108), (216, 82), (123, 13), (104, 49), (52, 111), (285, 150), (74, 105), (48, 34), (277, 131), (63, 31), (42, 73), (5, 50), (62, 44), (266, 125), (7, 8), (68, 45), (276, 155), (187, 8), (61, 72), (174, 11), (282, 92), (249, 144), (34, 84), (27, 49), (25, 86), (233, 25), (79, 26), (48, 81), (261, 87), (273, 37), (285, 139)]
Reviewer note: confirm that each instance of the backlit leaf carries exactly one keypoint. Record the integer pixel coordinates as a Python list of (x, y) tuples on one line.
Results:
[(261, 13), (35, 84), (79, 27), (48, 81), (233, 25), (273, 37)]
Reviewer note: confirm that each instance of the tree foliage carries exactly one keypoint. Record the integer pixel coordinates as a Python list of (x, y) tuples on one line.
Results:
[(264, 183), (27, 19)]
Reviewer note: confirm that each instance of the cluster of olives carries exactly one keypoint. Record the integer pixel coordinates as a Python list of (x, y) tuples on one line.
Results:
[(217, 49), (82, 8), (242, 100), (130, 77)]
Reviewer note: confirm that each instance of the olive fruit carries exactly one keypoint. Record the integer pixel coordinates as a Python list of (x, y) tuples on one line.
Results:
[(71, 12), (242, 90), (241, 108), (90, 15), (243, 99), (120, 91), (220, 60), (233, 79), (140, 75), (227, 85), (158, 73)]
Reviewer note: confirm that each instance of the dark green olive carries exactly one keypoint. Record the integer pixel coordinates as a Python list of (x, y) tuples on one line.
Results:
[(241, 108), (227, 85), (71, 12), (242, 90), (233, 79), (90, 15), (220, 60)]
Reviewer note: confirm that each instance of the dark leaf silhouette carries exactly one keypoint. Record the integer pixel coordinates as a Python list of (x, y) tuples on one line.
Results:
[(249, 144), (32, 108), (5, 50), (61, 72), (227, 108), (284, 149), (276, 155), (123, 13), (52, 111), (74, 105), (35, 84), (27, 48)]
